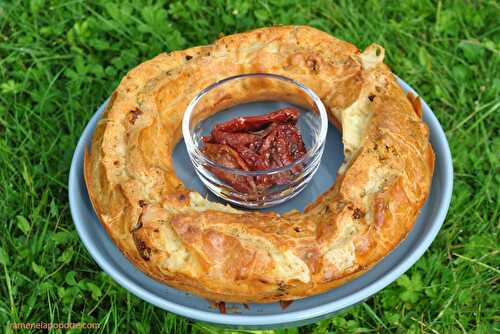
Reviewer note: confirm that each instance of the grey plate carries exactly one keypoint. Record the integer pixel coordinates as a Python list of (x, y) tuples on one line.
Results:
[(300, 312)]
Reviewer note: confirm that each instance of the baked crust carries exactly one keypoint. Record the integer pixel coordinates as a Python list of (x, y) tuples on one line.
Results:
[(179, 238)]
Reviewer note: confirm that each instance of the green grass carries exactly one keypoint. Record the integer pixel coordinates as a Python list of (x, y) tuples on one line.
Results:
[(60, 60)]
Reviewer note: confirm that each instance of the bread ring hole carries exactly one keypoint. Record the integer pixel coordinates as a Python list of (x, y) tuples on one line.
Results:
[(257, 95)]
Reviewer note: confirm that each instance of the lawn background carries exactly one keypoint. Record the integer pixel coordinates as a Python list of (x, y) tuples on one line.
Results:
[(60, 60)]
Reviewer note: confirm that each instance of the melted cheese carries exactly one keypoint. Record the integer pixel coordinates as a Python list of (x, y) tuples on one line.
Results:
[(198, 203), (354, 121), (372, 56)]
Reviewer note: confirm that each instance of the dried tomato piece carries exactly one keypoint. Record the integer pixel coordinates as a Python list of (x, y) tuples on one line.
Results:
[(257, 143), (225, 156), (232, 139), (282, 147), (289, 145), (253, 123)]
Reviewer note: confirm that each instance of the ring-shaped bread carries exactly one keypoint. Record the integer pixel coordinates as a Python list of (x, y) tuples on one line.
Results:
[(177, 237)]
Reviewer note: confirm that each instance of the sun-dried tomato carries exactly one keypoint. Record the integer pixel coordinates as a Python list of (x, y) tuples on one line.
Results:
[(227, 157), (257, 143), (254, 123)]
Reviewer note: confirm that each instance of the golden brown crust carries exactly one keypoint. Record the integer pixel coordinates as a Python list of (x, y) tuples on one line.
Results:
[(181, 239)]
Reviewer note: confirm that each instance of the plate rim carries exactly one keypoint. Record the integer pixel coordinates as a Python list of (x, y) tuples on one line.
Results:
[(274, 319)]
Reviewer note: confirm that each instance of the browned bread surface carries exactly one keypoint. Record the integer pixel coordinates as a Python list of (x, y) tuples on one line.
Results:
[(177, 237)]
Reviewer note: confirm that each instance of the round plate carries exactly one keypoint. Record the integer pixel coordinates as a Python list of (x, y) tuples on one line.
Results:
[(300, 312)]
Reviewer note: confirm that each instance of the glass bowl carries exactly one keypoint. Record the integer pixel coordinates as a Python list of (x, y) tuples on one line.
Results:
[(243, 95)]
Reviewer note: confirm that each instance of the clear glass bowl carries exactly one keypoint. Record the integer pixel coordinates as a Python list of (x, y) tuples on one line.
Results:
[(249, 95)]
